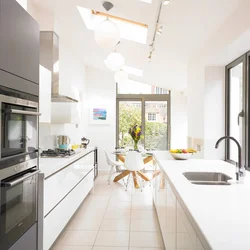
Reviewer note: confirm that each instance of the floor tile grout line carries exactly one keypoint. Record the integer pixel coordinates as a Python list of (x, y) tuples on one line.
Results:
[(101, 223)]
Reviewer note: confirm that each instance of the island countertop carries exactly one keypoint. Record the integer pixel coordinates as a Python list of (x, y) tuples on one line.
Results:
[(221, 212), (49, 166)]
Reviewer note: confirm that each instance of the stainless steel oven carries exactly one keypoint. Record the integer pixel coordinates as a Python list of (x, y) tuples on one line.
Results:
[(18, 202), (19, 130)]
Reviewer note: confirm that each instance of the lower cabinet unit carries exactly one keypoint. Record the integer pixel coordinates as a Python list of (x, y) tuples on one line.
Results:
[(186, 236), (176, 228), (63, 194)]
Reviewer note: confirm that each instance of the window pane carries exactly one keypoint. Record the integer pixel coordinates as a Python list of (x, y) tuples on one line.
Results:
[(236, 106), (156, 125), (134, 87), (129, 114)]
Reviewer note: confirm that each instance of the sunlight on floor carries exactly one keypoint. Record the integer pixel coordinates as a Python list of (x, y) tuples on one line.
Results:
[(111, 218)]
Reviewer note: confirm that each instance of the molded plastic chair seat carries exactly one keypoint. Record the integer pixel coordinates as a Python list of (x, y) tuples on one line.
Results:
[(134, 163), (113, 164)]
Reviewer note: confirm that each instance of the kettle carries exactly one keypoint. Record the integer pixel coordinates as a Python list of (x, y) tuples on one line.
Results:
[(62, 141), (85, 142)]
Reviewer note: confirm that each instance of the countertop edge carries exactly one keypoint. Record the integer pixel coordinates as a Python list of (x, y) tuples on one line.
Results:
[(69, 162)]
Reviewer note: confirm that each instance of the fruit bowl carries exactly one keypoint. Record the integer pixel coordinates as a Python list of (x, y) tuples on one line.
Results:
[(181, 156)]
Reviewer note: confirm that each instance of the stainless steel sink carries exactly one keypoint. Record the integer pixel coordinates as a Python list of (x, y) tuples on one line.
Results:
[(207, 178)]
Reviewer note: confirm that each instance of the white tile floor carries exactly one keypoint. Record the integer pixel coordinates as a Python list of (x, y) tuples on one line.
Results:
[(112, 219)]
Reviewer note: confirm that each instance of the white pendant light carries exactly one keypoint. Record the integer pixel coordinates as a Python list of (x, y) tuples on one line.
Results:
[(115, 61), (107, 34), (121, 77)]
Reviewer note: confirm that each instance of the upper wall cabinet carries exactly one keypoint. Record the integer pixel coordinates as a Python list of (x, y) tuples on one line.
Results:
[(19, 41), (45, 95)]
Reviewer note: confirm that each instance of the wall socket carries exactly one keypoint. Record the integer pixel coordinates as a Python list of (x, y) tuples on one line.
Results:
[(198, 146)]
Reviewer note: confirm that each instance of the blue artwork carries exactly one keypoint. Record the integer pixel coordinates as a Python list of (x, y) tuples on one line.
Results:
[(99, 114)]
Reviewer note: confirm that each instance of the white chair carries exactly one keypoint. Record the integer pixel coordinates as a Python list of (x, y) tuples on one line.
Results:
[(113, 165), (134, 163)]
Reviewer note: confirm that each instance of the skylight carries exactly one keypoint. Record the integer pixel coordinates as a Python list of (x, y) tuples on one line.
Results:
[(129, 30), (133, 71), (146, 1)]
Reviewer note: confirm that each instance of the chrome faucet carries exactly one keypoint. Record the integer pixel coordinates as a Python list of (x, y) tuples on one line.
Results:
[(240, 171)]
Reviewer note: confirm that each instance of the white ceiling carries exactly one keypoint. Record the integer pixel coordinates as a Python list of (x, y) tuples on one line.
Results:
[(187, 25)]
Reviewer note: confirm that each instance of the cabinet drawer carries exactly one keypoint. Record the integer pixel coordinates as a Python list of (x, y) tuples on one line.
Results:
[(55, 221), (59, 185)]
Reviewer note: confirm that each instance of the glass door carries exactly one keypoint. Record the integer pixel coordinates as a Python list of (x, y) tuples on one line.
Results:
[(129, 113), (236, 109), (149, 112), (156, 120)]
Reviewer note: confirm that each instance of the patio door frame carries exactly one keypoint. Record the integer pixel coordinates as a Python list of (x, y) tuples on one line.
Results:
[(143, 98), (245, 128)]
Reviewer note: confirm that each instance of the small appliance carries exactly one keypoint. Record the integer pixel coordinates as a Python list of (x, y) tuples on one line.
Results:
[(62, 142), (85, 142)]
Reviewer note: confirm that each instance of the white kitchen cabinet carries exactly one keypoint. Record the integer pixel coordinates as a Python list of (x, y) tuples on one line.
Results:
[(165, 204), (59, 185), (170, 218), (66, 112), (186, 236), (58, 218), (45, 95), (176, 228)]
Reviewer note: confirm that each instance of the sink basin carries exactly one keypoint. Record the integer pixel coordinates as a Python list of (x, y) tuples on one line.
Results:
[(207, 178), (211, 183)]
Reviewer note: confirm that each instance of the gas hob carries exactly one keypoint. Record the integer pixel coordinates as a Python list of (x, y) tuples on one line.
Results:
[(58, 153)]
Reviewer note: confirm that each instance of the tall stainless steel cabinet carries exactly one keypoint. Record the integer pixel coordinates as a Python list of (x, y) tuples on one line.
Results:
[(19, 42)]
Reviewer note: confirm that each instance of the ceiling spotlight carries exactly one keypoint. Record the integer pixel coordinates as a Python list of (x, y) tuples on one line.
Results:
[(165, 2)]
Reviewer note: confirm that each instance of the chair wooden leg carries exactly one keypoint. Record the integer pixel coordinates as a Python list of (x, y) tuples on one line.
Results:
[(135, 179)]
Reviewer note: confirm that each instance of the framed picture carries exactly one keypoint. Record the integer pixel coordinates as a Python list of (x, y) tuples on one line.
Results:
[(99, 115)]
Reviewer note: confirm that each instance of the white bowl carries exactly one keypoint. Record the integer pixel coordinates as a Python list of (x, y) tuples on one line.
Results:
[(181, 156)]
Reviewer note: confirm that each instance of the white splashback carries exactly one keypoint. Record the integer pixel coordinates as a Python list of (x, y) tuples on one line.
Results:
[(48, 133)]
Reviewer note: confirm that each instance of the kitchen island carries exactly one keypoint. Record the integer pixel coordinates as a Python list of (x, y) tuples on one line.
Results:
[(68, 181), (201, 216)]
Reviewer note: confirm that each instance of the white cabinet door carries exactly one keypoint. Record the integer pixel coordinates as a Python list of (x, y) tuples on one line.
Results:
[(162, 203), (66, 113), (170, 218), (55, 221), (59, 185), (186, 236), (45, 95)]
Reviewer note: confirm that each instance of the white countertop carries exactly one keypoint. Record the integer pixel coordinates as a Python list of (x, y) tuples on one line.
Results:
[(49, 166), (220, 211)]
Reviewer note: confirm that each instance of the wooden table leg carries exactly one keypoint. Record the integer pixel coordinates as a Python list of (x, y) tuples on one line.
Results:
[(135, 180), (156, 173), (122, 175), (143, 176), (148, 159)]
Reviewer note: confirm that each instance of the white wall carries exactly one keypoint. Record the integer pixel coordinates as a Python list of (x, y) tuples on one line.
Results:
[(101, 91), (179, 124), (206, 80), (214, 111)]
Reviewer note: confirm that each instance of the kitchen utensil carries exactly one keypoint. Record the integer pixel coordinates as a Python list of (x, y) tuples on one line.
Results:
[(62, 141)]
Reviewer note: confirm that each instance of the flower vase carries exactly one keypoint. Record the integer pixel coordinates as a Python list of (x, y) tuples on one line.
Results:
[(136, 145)]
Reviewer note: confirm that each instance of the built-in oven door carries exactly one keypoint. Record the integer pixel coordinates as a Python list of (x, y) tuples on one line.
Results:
[(18, 206), (19, 131)]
